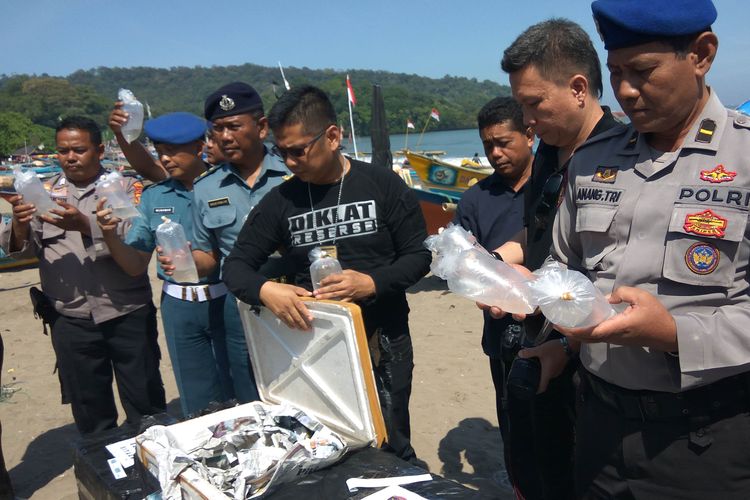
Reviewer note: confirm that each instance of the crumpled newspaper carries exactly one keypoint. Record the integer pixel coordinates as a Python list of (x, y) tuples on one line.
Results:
[(568, 298), (472, 272), (245, 457)]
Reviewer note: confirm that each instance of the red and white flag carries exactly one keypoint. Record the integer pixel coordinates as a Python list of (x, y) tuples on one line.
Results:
[(435, 115), (350, 91), (409, 124)]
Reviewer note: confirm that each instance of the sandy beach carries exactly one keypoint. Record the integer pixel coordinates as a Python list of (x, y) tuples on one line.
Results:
[(454, 427)]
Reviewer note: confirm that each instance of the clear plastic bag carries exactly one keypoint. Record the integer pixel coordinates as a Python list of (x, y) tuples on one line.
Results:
[(112, 186), (568, 298), (29, 186), (475, 274), (171, 237), (131, 130), (323, 265)]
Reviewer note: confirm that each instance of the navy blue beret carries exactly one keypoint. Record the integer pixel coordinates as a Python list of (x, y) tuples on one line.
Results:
[(232, 99), (625, 23), (176, 128)]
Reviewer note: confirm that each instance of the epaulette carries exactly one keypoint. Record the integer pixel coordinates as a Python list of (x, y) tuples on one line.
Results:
[(616, 131), (288, 177), (207, 173)]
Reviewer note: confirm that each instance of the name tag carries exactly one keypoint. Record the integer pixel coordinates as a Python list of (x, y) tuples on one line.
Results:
[(164, 210), (218, 202)]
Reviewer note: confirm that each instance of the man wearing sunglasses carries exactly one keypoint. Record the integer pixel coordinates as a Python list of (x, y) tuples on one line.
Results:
[(362, 214), (224, 196), (555, 75)]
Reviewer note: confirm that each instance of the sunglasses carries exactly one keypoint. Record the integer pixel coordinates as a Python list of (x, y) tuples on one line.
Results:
[(550, 195), (296, 151)]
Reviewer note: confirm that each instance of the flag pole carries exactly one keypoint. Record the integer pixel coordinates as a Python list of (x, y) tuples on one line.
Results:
[(351, 117), (406, 141), (427, 122)]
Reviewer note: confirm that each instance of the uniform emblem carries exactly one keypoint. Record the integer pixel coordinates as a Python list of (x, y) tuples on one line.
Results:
[(718, 175), (218, 202), (702, 258), (706, 131), (607, 175), (226, 103), (705, 223), (137, 192)]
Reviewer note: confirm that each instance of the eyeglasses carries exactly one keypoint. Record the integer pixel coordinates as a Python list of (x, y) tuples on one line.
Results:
[(550, 196), (297, 151)]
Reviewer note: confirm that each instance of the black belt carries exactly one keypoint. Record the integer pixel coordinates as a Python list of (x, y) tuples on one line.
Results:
[(727, 395)]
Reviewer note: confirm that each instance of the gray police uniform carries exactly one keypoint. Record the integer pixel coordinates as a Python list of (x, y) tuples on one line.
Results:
[(676, 225), (192, 315), (222, 200), (106, 321)]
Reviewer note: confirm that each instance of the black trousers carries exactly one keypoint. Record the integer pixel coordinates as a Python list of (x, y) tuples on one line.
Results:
[(393, 364), (627, 458), (88, 354), (538, 436)]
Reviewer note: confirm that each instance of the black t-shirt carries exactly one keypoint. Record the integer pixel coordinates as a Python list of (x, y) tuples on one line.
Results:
[(538, 221), (379, 230)]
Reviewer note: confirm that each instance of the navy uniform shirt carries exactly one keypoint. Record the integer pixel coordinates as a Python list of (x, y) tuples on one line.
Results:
[(493, 212), (222, 201), (168, 198)]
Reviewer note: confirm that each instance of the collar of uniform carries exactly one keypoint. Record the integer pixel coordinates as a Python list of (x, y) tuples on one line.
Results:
[(714, 110), (73, 189), (271, 165)]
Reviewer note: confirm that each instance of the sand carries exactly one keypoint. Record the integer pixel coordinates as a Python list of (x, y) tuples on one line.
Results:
[(453, 418)]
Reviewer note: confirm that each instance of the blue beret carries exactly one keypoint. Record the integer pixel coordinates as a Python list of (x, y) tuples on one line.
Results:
[(232, 99), (625, 23), (176, 128)]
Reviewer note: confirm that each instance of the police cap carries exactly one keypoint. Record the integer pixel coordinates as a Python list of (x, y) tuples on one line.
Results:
[(625, 23), (232, 99), (176, 128)]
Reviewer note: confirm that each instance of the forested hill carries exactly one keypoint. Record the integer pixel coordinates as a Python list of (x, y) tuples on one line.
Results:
[(183, 89)]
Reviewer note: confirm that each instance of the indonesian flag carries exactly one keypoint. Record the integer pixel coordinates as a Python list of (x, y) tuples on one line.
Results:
[(409, 124), (350, 91), (434, 114)]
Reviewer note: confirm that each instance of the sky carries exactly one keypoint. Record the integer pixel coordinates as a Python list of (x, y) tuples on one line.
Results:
[(429, 38)]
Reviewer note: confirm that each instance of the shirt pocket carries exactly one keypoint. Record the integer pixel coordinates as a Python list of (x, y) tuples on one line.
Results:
[(218, 217), (702, 245), (593, 225)]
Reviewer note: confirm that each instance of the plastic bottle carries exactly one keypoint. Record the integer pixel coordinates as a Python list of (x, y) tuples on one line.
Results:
[(323, 265), (132, 128), (112, 186), (29, 186), (171, 238)]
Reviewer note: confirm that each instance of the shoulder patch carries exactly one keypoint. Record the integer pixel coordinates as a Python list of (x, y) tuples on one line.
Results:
[(207, 173)]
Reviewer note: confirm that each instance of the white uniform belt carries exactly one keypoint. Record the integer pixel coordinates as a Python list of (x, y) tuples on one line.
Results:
[(194, 293)]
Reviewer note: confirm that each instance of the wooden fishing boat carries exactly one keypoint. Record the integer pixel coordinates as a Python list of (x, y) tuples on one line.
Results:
[(444, 177)]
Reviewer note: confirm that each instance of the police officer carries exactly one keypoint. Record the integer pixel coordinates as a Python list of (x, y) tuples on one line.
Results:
[(225, 195), (657, 215), (105, 321), (192, 313)]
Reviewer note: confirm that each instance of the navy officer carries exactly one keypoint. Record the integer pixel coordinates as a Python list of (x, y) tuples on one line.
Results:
[(192, 313)]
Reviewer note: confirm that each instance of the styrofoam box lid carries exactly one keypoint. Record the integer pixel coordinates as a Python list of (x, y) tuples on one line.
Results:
[(325, 372)]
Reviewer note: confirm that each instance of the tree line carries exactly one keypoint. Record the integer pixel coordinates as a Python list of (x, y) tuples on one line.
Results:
[(31, 105)]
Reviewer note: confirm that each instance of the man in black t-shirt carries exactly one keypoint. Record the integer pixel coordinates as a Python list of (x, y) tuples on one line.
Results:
[(363, 215), (555, 75)]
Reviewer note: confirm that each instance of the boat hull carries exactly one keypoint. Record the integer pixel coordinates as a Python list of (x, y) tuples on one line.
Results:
[(435, 174)]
